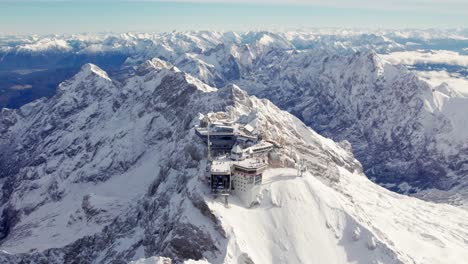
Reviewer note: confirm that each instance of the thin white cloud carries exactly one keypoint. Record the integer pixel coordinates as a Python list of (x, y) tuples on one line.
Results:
[(435, 78), (456, 81), (427, 57)]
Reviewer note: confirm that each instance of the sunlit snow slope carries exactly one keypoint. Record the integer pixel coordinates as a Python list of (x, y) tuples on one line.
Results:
[(302, 220)]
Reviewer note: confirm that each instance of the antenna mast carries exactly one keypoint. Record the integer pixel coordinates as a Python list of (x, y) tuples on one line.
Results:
[(209, 142)]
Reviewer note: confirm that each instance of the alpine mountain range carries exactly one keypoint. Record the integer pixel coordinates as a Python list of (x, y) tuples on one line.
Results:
[(100, 161)]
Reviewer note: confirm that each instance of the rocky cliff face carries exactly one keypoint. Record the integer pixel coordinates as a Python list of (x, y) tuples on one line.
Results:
[(392, 119)]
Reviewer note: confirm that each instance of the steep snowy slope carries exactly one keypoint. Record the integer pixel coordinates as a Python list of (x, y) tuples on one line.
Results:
[(302, 220), (109, 171)]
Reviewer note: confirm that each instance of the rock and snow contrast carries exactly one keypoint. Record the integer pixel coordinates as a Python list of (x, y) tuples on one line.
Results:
[(111, 170), (409, 135)]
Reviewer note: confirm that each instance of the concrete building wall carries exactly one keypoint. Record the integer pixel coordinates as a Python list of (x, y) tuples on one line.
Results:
[(245, 187)]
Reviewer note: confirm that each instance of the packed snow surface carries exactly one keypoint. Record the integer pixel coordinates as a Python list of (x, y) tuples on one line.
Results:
[(302, 220), (163, 260)]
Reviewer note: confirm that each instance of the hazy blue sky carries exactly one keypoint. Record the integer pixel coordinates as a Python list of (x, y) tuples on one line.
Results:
[(74, 16)]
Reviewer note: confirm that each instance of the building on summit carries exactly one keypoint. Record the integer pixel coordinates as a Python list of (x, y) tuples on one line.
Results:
[(239, 158)]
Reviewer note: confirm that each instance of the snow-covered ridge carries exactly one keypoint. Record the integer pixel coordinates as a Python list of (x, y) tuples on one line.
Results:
[(46, 44), (112, 171), (93, 69), (391, 39)]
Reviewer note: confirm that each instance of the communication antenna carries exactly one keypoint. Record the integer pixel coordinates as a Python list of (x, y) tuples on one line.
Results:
[(209, 142)]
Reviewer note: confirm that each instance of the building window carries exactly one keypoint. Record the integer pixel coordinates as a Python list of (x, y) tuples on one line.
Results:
[(251, 180), (258, 179)]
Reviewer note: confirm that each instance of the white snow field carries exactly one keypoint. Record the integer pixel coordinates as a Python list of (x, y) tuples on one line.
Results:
[(163, 260), (302, 220)]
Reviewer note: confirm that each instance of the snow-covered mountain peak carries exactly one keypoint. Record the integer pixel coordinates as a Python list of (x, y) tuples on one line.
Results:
[(152, 72), (154, 65), (371, 60), (90, 68), (447, 90), (157, 63), (83, 90), (89, 75)]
